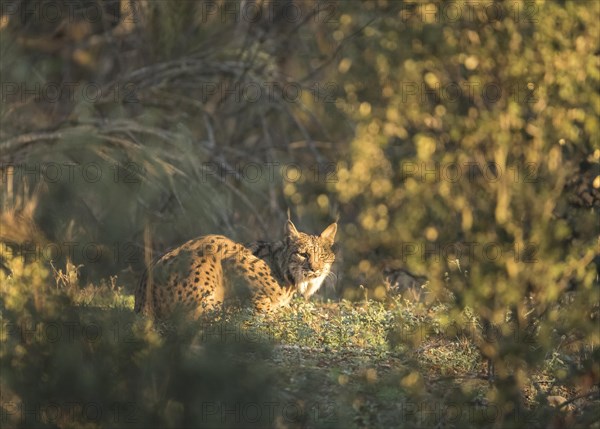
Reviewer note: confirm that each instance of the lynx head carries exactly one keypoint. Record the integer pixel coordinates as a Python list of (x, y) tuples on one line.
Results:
[(309, 257)]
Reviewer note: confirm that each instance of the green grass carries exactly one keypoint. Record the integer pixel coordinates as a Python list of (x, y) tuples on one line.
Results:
[(314, 364)]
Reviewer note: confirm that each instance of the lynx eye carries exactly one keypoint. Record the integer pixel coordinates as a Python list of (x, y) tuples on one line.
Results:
[(302, 255)]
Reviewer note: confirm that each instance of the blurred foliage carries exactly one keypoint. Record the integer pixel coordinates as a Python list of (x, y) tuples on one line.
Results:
[(100, 366), (68, 360), (458, 140), (467, 136), (173, 116)]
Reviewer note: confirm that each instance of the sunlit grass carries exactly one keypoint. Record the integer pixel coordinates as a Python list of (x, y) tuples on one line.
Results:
[(340, 364)]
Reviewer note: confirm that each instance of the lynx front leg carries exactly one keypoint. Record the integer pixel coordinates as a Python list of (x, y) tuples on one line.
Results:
[(286, 295), (262, 303), (271, 301)]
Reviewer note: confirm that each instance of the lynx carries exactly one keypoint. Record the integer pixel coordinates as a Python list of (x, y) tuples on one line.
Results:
[(207, 272)]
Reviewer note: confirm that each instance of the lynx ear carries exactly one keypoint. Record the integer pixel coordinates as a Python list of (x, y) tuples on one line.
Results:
[(329, 233), (290, 229)]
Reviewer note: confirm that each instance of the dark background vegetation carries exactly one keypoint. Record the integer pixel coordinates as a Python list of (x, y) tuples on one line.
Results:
[(457, 140)]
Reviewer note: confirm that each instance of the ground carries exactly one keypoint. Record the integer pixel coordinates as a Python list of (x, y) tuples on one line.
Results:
[(314, 364)]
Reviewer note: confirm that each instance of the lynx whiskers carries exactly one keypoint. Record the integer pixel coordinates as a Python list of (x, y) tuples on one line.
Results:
[(207, 272)]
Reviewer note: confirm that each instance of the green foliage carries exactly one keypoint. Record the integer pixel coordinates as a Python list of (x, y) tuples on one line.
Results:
[(408, 189), (331, 326), (67, 366), (184, 132), (69, 355), (455, 139)]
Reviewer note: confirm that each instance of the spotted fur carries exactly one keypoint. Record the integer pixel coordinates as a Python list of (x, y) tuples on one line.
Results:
[(207, 272)]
